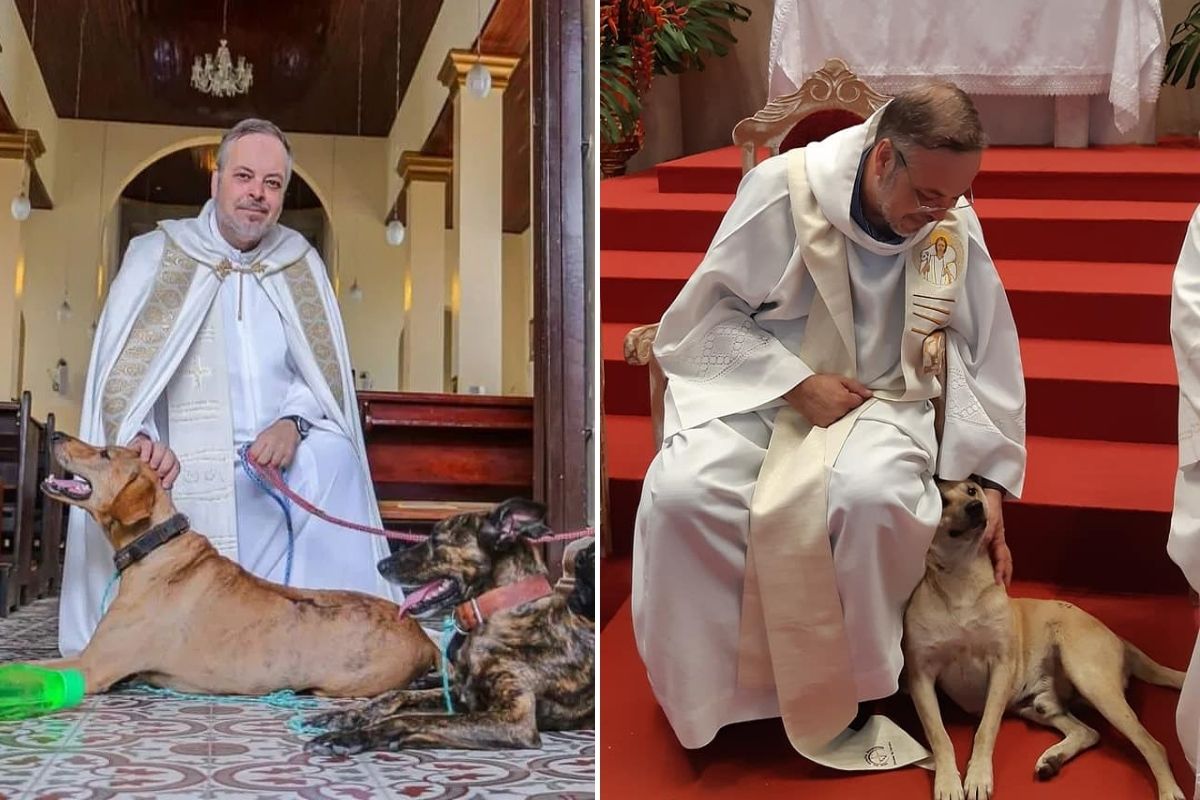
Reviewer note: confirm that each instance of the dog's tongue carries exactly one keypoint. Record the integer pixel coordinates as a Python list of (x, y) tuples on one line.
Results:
[(420, 594)]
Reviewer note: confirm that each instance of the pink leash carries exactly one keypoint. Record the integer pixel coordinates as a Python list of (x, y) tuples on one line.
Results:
[(273, 477)]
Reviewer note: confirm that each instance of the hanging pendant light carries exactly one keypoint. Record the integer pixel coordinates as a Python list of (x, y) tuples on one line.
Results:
[(395, 228), (395, 233), (356, 292), (479, 79), (64, 310), (20, 207)]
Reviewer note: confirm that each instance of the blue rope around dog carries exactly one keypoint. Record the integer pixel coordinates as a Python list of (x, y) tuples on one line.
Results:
[(284, 503), (284, 699), (112, 582), (448, 630)]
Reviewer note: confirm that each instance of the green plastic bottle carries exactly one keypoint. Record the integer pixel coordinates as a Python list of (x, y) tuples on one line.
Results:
[(28, 691)]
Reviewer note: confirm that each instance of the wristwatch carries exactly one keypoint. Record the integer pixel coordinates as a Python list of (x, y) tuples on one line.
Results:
[(303, 426)]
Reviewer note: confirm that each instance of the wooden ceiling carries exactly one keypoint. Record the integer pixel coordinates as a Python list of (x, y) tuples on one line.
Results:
[(137, 58), (131, 61)]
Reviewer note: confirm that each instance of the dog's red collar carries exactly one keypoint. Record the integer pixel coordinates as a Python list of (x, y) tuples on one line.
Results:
[(468, 615)]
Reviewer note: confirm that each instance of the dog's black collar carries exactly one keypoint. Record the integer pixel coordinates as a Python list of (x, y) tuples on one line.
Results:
[(150, 541)]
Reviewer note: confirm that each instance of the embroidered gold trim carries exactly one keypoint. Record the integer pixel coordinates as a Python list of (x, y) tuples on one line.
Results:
[(317, 331), (928, 318), (931, 308), (931, 297), (924, 333), (171, 282)]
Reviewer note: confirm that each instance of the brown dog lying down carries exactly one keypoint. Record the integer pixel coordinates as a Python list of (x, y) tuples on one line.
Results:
[(1032, 657), (189, 619), (522, 668)]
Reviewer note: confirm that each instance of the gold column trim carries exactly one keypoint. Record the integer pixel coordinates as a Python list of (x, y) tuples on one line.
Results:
[(459, 62), (26, 144), (416, 166)]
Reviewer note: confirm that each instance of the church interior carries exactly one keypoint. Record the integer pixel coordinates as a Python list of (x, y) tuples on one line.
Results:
[(1085, 193), (459, 267)]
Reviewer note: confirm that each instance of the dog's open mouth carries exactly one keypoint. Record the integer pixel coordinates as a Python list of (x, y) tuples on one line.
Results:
[(432, 595), (71, 488)]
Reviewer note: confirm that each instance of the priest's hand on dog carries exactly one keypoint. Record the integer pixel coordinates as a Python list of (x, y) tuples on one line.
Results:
[(160, 458), (276, 446), (824, 399), (993, 537)]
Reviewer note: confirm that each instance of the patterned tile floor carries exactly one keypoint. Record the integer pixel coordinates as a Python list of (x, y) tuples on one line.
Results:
[(135, 746)]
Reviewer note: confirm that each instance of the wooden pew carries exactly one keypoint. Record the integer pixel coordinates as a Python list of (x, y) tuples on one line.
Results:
[(436, 455), (20, 445), (51, 531)]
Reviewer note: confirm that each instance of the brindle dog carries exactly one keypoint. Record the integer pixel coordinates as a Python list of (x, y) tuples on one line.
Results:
[(521, 671)]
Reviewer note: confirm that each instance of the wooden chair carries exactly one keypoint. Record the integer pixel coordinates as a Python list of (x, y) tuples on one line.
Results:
[(831, 99), (20, 445)]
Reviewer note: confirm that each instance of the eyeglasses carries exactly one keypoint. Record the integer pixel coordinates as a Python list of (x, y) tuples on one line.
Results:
[(965, 201)]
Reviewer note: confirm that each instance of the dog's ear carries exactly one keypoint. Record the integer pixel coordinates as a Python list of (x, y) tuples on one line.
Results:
[(515, 519), (134, 503)]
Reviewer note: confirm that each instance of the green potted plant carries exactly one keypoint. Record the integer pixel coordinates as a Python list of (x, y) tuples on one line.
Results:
[(643, 38), (1183, 50)]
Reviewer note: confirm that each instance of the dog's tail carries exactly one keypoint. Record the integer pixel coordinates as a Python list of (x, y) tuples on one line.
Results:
[(1144, 668)]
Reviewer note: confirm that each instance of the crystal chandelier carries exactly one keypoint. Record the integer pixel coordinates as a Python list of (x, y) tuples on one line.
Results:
[(219, 77)]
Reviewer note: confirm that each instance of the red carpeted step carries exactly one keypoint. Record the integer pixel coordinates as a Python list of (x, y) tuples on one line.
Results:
[(1115, 173), (640, 756), (1074, 389), (639, 285), (1120, 302), (1100, 390), (1105, 301), (1085, 503), (1085, 230), (634, 217), (1078, 473)]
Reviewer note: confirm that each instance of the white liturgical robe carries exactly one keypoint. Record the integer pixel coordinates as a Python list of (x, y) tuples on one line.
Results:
[(204, 357), (1183, 544), (730, 348)]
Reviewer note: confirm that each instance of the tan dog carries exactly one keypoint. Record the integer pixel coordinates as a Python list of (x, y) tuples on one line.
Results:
[(190, 619), (991, 654)]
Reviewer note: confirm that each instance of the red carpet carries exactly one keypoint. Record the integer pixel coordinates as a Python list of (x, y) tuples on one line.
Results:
[(639, 756), (1085, 242)]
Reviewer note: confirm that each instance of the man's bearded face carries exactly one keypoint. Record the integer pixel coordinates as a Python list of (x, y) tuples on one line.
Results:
[(249, 189), (924, 186)]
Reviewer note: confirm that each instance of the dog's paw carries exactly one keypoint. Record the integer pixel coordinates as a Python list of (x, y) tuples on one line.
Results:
[(335, 744), (332, 720), (1172, 792), (1047, 767), (947, 785), (978, 785)]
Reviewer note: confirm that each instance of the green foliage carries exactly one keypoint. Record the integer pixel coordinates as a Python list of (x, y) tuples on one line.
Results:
[(1183, 50)]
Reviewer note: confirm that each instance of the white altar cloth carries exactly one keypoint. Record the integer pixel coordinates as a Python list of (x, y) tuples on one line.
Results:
[(1013, 47)]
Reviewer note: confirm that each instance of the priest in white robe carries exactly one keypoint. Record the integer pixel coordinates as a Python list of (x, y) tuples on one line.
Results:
[(812, 300), (219, 331), (1183, 544)]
